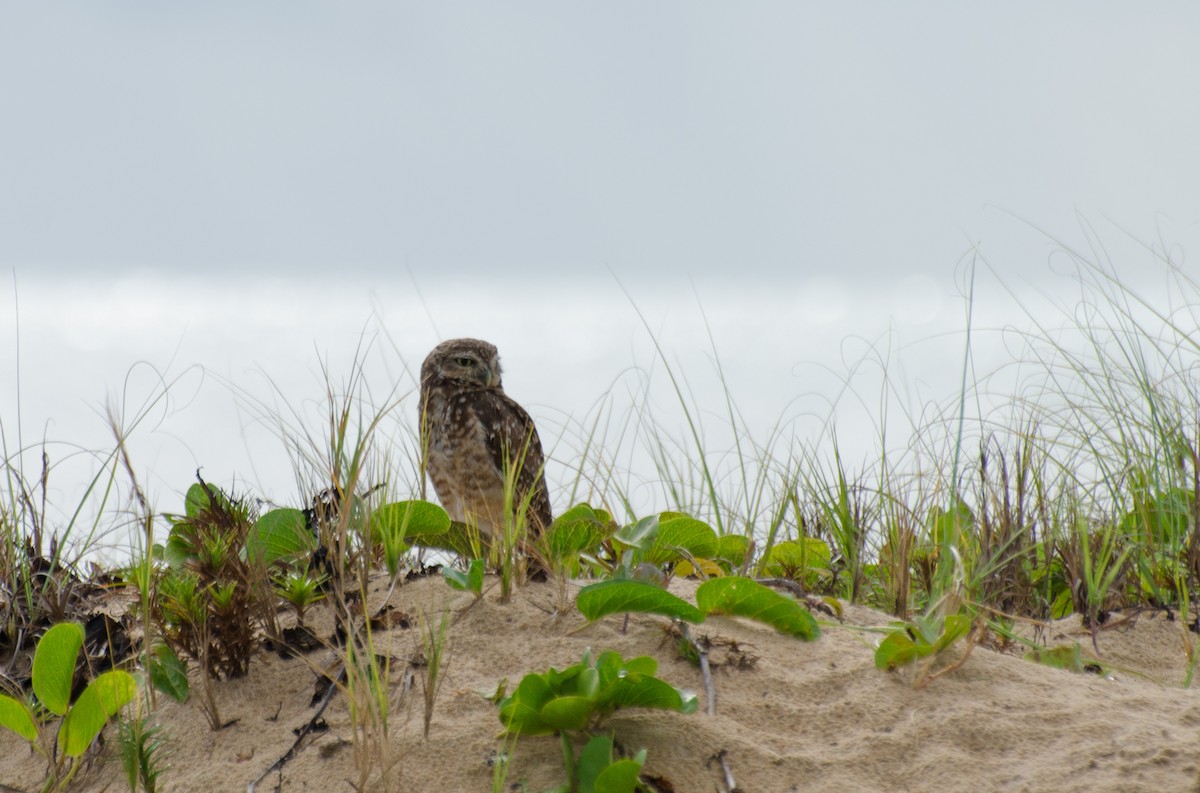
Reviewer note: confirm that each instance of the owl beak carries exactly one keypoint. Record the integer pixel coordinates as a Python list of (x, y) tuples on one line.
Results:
[(493, 376)]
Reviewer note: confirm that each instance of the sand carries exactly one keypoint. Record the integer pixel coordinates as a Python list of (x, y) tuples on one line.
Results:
[(791, 716)]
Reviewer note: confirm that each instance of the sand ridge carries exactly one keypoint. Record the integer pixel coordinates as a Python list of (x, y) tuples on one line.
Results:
[(795, 716)]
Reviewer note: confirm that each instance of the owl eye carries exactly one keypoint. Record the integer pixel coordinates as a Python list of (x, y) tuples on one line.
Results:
[(465, 362)]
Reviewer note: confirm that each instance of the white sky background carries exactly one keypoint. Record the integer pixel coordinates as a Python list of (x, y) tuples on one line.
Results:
[(246, 188)]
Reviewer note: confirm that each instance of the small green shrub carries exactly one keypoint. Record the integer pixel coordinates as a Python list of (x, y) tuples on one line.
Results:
[(576, 700), (582, 695)]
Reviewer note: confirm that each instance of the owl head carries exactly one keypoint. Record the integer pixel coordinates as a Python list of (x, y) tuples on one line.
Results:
[(468, 362)]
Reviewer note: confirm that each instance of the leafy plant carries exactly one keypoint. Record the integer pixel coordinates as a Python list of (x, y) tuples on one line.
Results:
[(54, 663), (143, 751), (578, 699), (926, 637), (301, 590), (433, 644), (217, 593), (805, 561), (582, 695)]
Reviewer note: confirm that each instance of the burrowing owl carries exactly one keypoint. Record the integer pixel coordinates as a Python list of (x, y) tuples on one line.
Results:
[(472, 433)]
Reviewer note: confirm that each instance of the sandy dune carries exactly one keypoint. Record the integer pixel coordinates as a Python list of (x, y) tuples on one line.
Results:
[(792, 716)]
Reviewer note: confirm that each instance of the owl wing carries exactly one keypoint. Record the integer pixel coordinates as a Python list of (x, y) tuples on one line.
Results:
[(512, 441)]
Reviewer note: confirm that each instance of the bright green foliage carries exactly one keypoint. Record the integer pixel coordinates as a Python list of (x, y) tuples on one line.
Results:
[(168, 674), (681, 537), (53, 673), (414, 522), (747, 598), (596, 772), (470, 581), (16, 716), (639, 535), (923, 637), (622, 595), (54, 666), (805, 561), (99, 702), (579, 530), (1159, 518), (458, 538), (281, 534), (732, 550), (734, 595), (143, 752), (300, 589), (583, 694), (397, 525)]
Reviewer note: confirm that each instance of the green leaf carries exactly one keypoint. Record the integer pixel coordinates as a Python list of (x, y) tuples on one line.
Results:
[(680, 534), (619, 777), (1063, 605), (620, 595), (107, 694), (732, 548), (923, 637), (178, 550), (642, 665), (470, 581), (575, 531), (746, 598), (520, 712), (410, 521), (168, 673), (898, 649), (54, 666), (573, 698), (197, 500), (639, 535), (793, 558), (582, 512), (955, 627), (595, 756), (280, 534), (638, 691), (15, 715), (567, 713), (457, 539)]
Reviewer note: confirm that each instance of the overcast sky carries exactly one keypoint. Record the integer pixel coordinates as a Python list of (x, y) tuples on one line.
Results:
[(248, 186)]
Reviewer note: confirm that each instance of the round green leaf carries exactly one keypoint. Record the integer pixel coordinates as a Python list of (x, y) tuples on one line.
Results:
[(680, 534), (280, 534), (567, 713), (197, 500), (620, 777), (733, 548), (415, 518)]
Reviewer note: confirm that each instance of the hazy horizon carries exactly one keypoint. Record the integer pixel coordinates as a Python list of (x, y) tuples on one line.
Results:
[(239, 195)]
